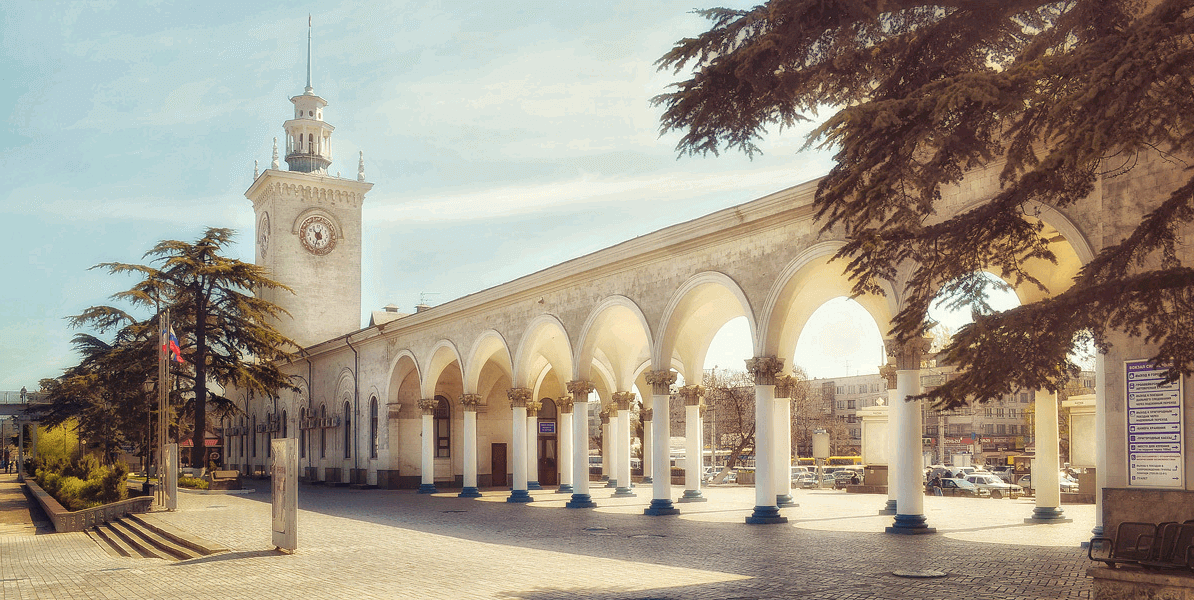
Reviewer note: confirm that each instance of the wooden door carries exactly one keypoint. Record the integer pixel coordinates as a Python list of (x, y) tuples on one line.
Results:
[(497, 464)]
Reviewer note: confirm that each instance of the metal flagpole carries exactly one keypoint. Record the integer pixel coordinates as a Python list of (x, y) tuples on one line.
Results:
[(163, 391)]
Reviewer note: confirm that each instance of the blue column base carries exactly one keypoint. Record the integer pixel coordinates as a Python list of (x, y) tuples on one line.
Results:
[(581, 501), (1047, 514), (910, 525), (647, 479), (519, 496), (624, 492), (469, 492), (605, 478), (785, 501), (427, 488), (889, 508), (611, 483), (534, 485), (765, 515), (692, 496), (565, 489), (660, 508)]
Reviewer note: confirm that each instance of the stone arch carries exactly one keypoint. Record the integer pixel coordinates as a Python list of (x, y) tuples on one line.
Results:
[(441, 357), (489, 347), (616, 335), (711, 299), (545, 341), (805, 284)]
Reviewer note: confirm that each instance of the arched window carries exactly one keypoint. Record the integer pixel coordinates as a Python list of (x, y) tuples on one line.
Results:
[(311, 143), (373, 427), (347, 430), (302, 432), (443, 428), (323, 433), (253, 432), (283, 423), (243, 439), (269, 433)]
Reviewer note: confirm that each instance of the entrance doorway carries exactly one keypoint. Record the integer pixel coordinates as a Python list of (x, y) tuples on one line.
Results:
[(497, 464), (549, 457)]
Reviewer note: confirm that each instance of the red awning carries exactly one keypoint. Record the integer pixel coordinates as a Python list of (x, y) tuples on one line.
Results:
[(209, 442)]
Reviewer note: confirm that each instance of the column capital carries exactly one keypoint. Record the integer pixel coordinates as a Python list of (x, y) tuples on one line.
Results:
[(580, 388), (691, 394), (661, 381), (909, 353), (470, 402), (518, 397), (564, 404), (623, 399), (646, 414), (888, 372), (785, 385), (428, 405), (702, 408), (604, 414), (533, 407), (764, 369)]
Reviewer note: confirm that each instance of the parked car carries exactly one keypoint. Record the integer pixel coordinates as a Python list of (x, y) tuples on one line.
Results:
[(996, 487), (1067, 485), (827, 480), (950, 486)]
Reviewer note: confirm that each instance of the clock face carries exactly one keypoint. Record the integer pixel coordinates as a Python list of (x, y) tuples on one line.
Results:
[(263, 234), (317, 234)]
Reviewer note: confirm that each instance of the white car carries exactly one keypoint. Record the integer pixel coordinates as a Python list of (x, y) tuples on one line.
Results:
[(1067, 485), (996, 486)]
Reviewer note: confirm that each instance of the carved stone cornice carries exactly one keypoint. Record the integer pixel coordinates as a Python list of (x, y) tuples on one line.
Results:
[(580, 389), (691, 394), (646, 414), (888, 372), (564, 404), (518, 397), (533, 407), (908, 354), (661, 381), (470, 402), (427, 406), (623, 399), (764, 369), (785, 385)]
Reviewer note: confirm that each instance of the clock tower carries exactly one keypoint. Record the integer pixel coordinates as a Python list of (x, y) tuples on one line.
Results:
[(309, 227)]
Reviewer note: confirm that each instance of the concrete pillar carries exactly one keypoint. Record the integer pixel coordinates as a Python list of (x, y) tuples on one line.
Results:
[(533, 407), (648, 455), (606, 441), (470, 402), (1046, 483), (905, 419), (518, 443), (661, 485), (691, 395), (615, 458), (888, 372), (580, 390), (621, 445), (783, 441), (428, 406), (1100, 441), (764, 369), (564, 435), (20, 452)]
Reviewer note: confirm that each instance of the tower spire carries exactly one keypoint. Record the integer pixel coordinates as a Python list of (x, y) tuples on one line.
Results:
[(308, 89)]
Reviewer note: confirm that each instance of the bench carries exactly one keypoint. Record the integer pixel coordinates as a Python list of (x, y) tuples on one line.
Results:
[(1160, 546), (224, 480)]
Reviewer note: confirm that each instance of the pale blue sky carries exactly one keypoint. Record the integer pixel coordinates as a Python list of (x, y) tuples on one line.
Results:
[(501, 139)]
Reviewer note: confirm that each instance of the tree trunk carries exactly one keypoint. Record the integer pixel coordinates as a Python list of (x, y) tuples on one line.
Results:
[(199, 436)]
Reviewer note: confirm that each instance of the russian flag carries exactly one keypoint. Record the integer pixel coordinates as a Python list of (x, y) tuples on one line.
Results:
[(172, 347)]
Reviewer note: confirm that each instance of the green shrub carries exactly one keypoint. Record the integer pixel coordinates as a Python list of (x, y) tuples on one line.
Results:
[(83, 483), (193, 483)]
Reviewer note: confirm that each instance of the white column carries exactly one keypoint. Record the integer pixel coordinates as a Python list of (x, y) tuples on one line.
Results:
[(782, 466), (1045, 480), (533, 445), (518, 406), (565, 436), (622, 401), (21, 452), (428, 406), (906, 428), (611, 442), (648, 446), (691, 395), (661, 485), (580, 444), (893, 439), (470, 402), (606, 465), (764, 369)]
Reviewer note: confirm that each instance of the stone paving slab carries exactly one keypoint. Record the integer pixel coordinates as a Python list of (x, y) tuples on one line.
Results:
[(399, 544)]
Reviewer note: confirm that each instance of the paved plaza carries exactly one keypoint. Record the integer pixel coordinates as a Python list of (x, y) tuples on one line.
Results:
[(399, 544)]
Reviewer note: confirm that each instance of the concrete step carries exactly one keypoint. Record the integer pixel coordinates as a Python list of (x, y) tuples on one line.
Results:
[(192, 543), (115, 541), (138, 541)]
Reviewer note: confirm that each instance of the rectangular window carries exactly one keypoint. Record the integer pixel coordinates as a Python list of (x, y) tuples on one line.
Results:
[(850, 405)]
